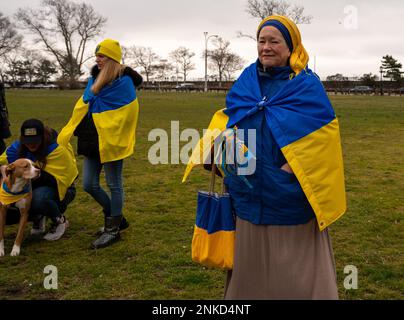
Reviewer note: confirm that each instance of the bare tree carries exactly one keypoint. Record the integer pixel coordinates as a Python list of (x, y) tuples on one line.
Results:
[(9, 37), (163, 70), (233, 64), (63, 21), (261, 9), (222, 60), (182, 57), (144, 58)]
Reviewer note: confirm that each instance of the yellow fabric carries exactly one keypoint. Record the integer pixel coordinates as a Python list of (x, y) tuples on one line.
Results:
[(213, 250), (321, 176), (116, 132), (202, 149), (299, 57), (116, 129), (111, 49), (8, 198), (61, 164), (79, 111), (3, 158)]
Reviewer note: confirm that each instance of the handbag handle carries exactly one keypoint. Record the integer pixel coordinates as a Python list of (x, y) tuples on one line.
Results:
[(213, 180)]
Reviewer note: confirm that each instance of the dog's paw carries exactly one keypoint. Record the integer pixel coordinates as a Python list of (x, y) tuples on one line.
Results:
[(16, 251)]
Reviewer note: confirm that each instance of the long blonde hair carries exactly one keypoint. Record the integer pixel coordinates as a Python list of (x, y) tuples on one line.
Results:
[(109, 72)]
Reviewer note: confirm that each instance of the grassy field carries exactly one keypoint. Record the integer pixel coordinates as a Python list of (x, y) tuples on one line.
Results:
[(153, 259)]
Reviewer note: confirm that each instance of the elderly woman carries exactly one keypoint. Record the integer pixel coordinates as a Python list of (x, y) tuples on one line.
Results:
[(282, 246)]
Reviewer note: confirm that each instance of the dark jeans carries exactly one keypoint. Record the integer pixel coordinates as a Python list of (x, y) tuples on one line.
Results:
[(112, 206), (45, 202)]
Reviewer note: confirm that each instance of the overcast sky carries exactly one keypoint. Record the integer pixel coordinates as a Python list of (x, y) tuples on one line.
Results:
[(333, 39)]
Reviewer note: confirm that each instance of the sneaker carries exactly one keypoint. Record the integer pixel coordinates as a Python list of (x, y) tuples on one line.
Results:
[(38, 226), (57, 229)]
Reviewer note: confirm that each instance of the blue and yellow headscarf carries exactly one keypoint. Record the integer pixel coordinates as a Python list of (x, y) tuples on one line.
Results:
[(303, 123), (299, 57)]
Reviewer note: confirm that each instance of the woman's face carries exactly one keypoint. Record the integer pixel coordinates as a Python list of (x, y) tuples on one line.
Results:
[(32, 147), (100, 60), (272, 48)]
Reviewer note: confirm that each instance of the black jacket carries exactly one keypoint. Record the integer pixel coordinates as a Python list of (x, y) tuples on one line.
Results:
[(4, 123), (46, 179), (86, 132)]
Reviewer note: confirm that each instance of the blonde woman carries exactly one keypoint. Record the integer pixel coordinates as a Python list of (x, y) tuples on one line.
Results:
[(104, 120)]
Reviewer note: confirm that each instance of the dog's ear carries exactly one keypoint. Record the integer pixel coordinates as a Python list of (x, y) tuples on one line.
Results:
[(9, 178), (10, 169)]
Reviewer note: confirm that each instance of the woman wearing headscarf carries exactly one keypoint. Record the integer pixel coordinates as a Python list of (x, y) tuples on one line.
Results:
[(104, 120), (282, 246)]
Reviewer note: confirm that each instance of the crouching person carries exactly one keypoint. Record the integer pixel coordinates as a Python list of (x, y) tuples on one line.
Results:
[(54, 189)]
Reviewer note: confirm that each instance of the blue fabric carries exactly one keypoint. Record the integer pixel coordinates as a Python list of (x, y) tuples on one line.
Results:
[(298, 109), (119, 93), (282, 29), (112, 206), (24, 191), (276, 197), (214, 212), (12, 151)]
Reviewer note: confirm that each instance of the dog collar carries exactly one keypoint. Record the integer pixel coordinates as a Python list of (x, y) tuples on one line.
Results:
[(27, 188)]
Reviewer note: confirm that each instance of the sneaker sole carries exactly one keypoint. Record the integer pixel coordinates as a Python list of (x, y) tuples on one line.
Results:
[(105, 245), (54, 239)]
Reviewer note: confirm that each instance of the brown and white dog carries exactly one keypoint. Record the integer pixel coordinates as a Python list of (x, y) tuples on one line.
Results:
[(16, 184)]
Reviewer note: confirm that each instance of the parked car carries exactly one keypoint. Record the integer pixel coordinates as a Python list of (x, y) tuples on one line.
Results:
[(361, 89), (185, 86), (401, 90)]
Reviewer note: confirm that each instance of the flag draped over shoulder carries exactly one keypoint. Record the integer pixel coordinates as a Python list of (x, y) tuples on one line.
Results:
[(305, 127), (115, 113), (60, 163)]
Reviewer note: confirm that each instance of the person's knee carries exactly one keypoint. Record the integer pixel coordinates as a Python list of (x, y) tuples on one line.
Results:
[(115, 187), (90, 186)]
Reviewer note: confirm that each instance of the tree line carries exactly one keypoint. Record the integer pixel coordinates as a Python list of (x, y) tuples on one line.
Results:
[(63, 30), (390, 69)]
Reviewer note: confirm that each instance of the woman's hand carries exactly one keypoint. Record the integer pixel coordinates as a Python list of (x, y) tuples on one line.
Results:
[(286, 167)]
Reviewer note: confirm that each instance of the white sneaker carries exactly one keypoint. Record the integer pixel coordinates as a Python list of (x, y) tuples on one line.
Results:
[(39, 227), (57, 230)]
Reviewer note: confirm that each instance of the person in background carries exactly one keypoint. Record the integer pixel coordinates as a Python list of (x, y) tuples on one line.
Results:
[(4, 122), (104, 121)]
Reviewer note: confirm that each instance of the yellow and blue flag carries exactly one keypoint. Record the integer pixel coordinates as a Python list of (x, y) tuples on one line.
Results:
[(115, 111), (305, 127)]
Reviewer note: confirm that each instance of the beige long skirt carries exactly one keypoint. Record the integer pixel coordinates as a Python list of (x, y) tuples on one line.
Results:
[(282, 262)]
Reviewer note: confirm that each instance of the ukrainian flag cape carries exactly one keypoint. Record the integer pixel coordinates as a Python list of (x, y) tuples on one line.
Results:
[(61, 163), (8, 197), (305, 127), (115, 112)]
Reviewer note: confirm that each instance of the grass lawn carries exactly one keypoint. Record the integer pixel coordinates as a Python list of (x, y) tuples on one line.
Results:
[(153, 261)]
